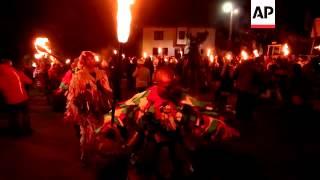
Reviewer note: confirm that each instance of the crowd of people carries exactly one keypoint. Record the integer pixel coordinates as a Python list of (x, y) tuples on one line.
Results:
[(156, 128)]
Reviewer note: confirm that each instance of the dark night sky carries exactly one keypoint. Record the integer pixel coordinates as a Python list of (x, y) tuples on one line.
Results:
[(74, 25)]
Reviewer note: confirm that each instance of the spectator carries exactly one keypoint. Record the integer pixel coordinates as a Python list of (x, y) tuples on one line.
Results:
[(248, 84), (12, 86), (142, 76)]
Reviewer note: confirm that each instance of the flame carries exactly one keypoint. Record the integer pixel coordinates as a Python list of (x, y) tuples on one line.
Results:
[(53, 59), (97, 58), (115, 52), (38, 56), (317, 47), (244, 55), (41, 45), (208, 52), (123, 56), (256, 53), (159, 50), (145, 55), (34, 64), (228, 56), (285, 49), (68, 61), (124, 18), (211, 58), (181, 52)]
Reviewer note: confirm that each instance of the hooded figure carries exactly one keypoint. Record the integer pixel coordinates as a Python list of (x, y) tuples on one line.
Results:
[(88, 99)]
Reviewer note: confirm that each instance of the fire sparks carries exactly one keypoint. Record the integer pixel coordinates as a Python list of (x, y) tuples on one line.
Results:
[(285, 50), (123, 56), (244, 55), (41, 45), (115, 52), (124, 18)]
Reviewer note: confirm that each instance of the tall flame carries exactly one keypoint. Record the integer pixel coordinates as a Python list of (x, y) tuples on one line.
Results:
[(124, 20)]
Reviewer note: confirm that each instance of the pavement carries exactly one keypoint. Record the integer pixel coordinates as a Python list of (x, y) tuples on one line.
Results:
[(52, 152), (283, 147)]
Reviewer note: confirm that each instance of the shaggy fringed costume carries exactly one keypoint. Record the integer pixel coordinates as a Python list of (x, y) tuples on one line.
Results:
[(88, 99)]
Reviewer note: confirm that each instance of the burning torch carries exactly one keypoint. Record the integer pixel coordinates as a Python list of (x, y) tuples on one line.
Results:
[(285, 50), (124, 18), (43, 50)]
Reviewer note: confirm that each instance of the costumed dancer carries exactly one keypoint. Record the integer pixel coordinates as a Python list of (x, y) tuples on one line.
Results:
[(159, 122), (88, 99)]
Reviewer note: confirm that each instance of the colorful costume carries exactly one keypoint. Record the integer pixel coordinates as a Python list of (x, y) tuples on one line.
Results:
[(167, 123), (88, 100)]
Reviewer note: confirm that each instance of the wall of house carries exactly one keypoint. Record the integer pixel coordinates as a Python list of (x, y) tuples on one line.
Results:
[(170, 39), (149, 43)]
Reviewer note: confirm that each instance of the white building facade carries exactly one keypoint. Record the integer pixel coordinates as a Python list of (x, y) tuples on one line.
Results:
[(169, 41)]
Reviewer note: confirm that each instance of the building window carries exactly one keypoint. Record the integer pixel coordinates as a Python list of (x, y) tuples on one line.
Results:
[(165, 51), (158, 35), (201, 51), (155, 52), (182, 35)]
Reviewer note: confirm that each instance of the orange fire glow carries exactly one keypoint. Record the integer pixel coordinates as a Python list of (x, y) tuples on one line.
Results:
[(211, 58), (41, 45), (124, 18), (244, 55), (34, 65), (145, 55), (285, 50), (256, 53)]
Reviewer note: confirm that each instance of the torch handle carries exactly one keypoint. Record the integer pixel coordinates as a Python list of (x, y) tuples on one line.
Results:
[(116, 82)]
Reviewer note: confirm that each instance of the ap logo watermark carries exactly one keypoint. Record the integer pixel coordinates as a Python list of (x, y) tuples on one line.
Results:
[(263, 14)]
